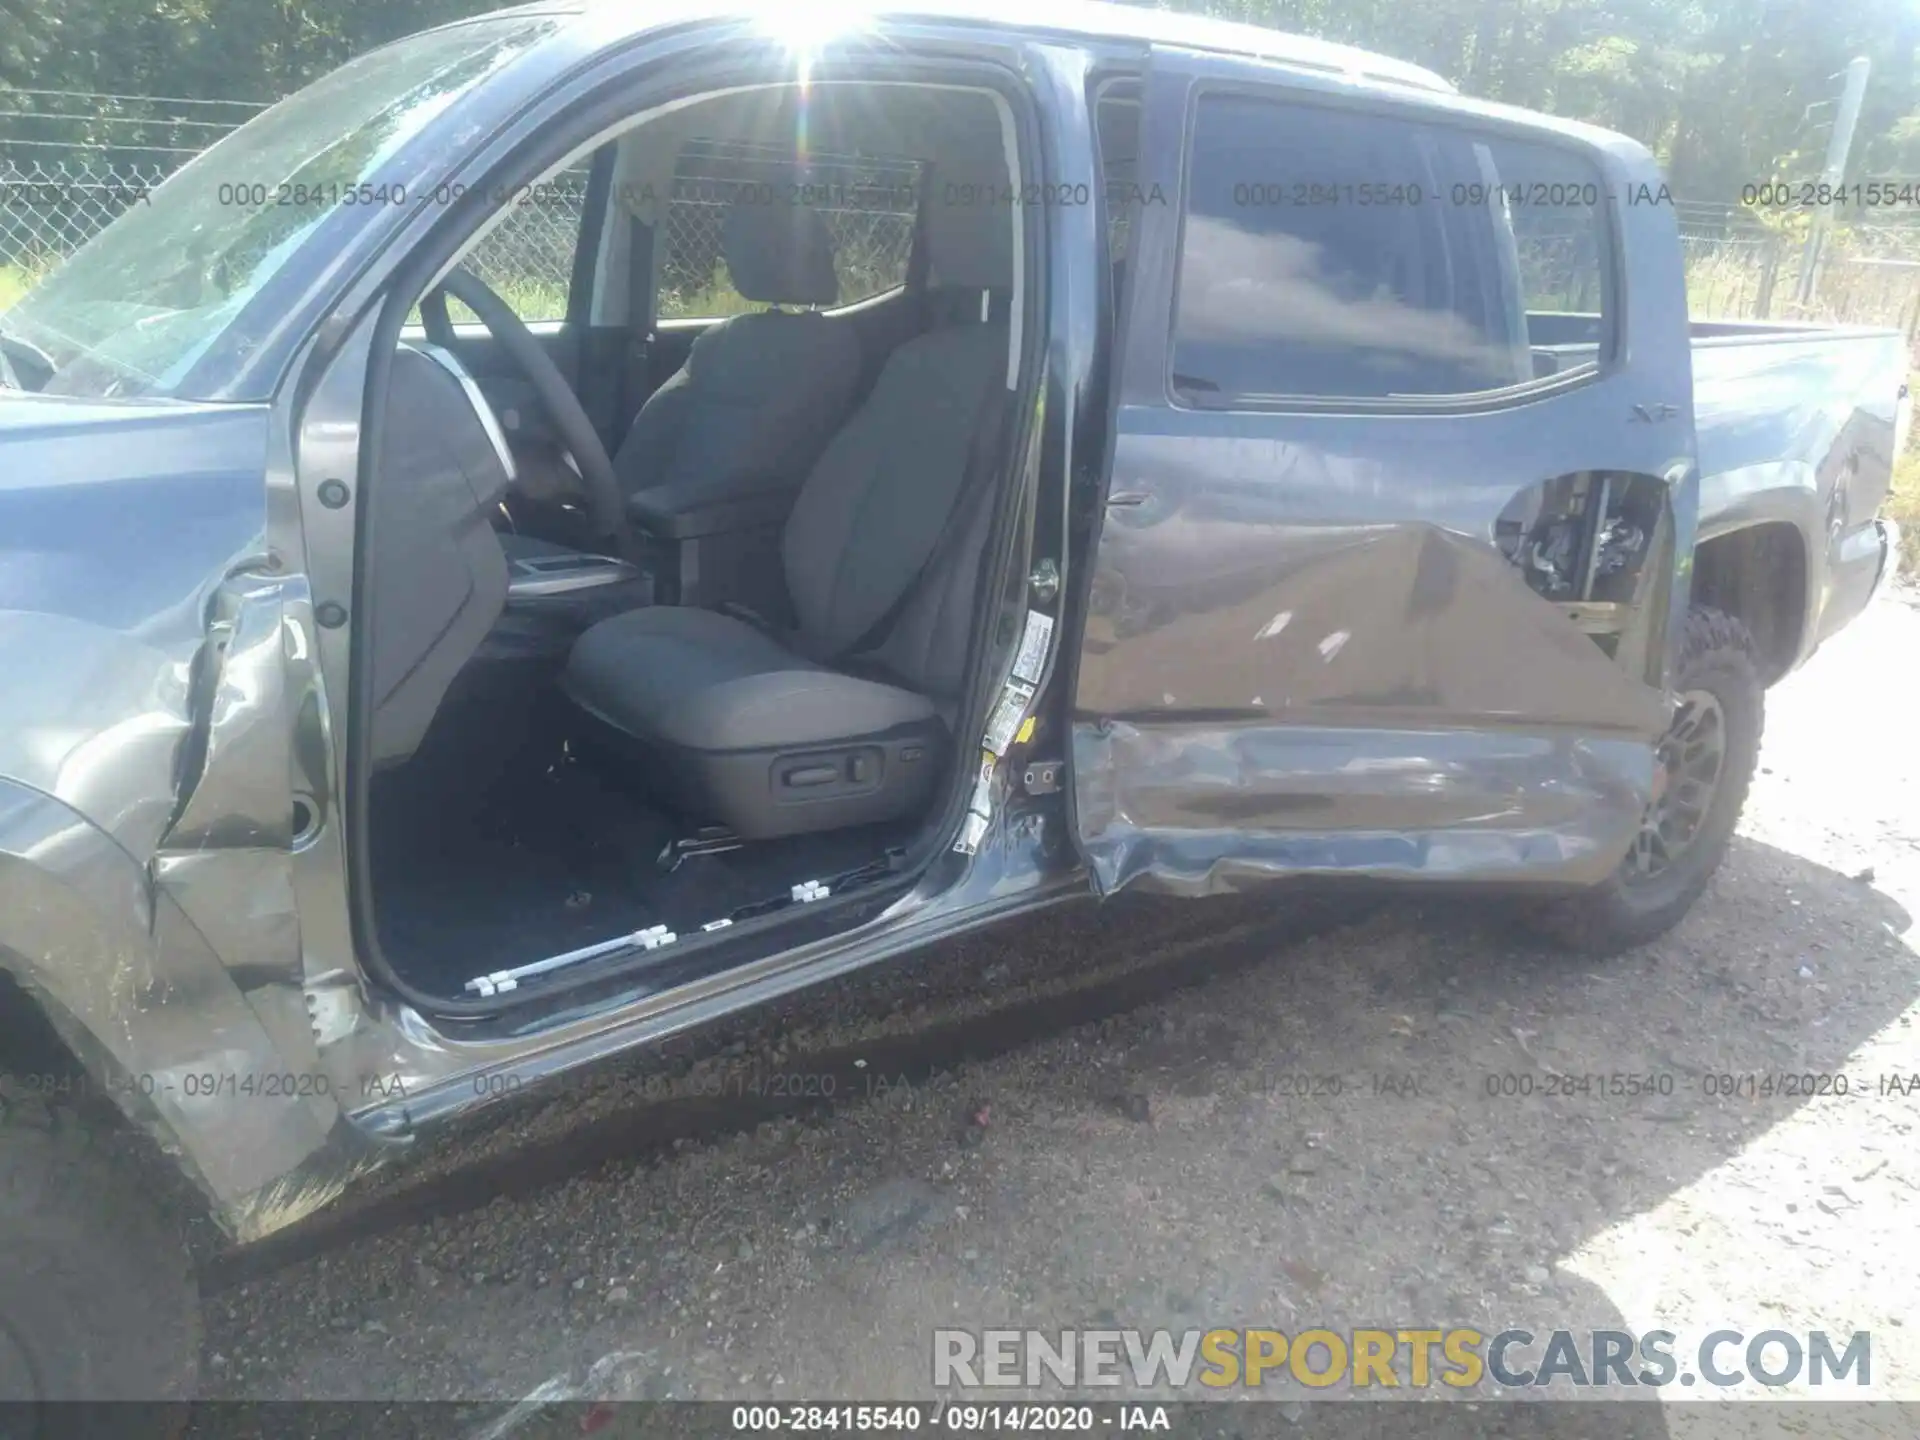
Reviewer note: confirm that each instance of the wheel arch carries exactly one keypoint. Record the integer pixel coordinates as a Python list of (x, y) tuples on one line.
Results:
[(1758, 574), (116, 983)]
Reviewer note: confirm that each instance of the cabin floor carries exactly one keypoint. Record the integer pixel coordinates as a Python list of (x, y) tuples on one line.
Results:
[(509, 838)]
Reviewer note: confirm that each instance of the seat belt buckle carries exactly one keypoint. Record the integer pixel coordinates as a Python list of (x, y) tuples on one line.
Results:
[(748, 615)]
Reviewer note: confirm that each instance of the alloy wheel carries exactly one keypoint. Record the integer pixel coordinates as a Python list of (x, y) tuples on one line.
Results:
[(1691, 756)]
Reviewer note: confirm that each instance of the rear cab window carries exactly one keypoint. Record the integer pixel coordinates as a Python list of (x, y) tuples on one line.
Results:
[(1334, 254)]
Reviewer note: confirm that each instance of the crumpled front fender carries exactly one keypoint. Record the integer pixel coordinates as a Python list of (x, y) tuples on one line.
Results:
[(134, 990)]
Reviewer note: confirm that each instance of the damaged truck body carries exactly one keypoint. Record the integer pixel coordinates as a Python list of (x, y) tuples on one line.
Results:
[(1251, 461)]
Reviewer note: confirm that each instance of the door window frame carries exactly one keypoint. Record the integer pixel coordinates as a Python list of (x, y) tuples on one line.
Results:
[(351, 422), (1166, 235)]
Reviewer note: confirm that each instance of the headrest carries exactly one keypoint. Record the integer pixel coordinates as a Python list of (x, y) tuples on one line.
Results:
[(779, 254), (970, 226)]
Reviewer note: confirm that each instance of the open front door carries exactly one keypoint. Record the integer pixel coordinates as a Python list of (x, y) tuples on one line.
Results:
[(1389, 563)]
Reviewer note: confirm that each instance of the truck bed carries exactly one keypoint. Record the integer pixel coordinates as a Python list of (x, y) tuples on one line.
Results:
[(1780, 410), (1795, 424), (1799, 425)]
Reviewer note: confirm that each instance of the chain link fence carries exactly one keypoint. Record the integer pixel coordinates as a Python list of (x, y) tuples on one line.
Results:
[(72, 161), (70, 164), (527, 259), (1741, 267), (1869, 274), (49, 209), (867, 203), (55, 195), (1733, 263)]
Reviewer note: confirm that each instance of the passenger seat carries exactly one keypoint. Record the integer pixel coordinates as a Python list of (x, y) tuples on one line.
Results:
[(760, 394), (844, 720)]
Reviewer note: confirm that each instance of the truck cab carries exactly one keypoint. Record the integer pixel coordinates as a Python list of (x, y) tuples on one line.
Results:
[(966, 459)]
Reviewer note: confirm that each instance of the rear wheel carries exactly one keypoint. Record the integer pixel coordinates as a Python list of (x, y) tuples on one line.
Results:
[(97, 1301), (1706, 762)]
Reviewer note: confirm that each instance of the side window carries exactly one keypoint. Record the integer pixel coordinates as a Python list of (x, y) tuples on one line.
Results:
[(527, 259), (1560, 245), (1335, 254), (869, 203)]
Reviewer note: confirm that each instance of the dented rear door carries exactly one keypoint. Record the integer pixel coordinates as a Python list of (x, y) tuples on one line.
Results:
[(1400, 477)]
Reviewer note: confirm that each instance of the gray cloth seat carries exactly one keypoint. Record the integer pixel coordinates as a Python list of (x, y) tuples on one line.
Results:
[(839, 721), (710, 681), (760, 394), (844, 720)]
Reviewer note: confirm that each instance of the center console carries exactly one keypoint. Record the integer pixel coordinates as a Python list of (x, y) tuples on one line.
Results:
[(535, 578), (710, 549)]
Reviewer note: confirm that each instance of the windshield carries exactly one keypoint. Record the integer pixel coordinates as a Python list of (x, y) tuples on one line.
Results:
[(134, 309)]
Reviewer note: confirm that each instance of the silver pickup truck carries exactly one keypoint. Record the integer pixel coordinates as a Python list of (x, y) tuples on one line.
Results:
[(1257, 462)]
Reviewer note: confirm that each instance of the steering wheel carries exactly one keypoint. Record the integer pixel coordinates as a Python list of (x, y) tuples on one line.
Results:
[(607, 500)]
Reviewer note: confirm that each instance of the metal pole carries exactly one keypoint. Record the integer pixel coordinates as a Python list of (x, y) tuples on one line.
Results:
[(1844, 120)]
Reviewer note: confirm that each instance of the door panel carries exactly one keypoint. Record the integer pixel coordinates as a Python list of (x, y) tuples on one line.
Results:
[(1407, 616)]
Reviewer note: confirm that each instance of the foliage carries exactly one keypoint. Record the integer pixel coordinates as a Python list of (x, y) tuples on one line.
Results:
[(15, 281), (1728, 94), (201, 49), (1903, 505)]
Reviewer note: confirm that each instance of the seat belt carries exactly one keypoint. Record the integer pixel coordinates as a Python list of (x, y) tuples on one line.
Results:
[(635, 374), (982, 455), (920, 265)]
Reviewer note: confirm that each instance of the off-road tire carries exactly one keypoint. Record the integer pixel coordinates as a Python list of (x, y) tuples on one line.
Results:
[(1716, 655), (99, 1312)]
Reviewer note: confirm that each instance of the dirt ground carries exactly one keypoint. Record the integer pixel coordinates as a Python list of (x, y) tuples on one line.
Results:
[(1161, 1167)]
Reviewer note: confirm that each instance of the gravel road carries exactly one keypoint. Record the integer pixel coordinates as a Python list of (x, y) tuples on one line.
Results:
[(1305, 1136)]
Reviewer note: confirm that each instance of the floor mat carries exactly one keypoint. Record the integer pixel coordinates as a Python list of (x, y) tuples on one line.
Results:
[(552, 851)]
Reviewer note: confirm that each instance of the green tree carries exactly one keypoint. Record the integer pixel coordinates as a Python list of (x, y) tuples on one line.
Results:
[(1726, 94)]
